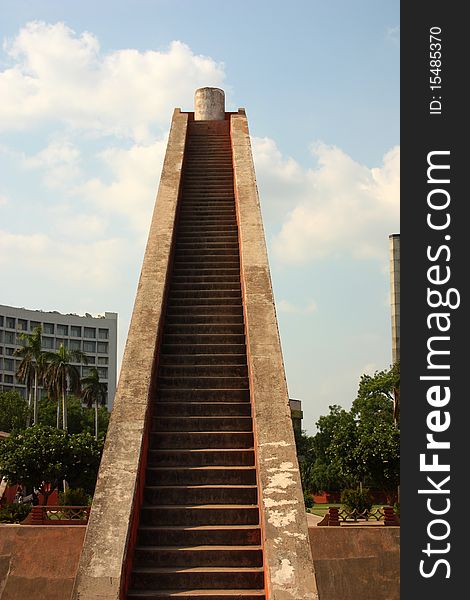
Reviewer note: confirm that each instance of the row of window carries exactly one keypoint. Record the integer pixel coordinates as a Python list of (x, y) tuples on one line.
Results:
[(8, 364), (49, 343), (102, 360), (52, 329)]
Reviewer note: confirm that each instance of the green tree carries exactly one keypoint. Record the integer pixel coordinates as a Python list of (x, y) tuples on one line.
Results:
[(336, 465), (13, 411), (378, 436), (35, 458), (41, 456), (356, 446), (61, 375), (94, 392), (79, 418), (83, 461), (31, 368)]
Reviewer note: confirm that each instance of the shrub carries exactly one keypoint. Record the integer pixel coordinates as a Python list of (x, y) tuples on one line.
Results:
[(396, 508), (356, 499), (14, 513), (308, 500), (74, 497)]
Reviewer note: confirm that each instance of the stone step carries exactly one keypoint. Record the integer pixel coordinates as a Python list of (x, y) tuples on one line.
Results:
[(222, 475), (176, 495), (215, 210), (200, 275), (207, 215), (190, 328), (196, 595), (207, 222), (203, 409), (198, 556), (207, 253), (208, 263), (210, 198), (201, 423), (204, 370), (213, 236), (172, 440), (205, 309), (224, 160), (204, 227), (205, 245), (211, 514), (220, 283), (197, 577), (203, 395), (206, 319), (237, 535), (202, 457), (205, 338), (213, 149), (202, 359), (202, 382), (198, 296)]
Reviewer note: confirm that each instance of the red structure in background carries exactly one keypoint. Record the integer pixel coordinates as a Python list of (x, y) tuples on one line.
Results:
[(10, 493)]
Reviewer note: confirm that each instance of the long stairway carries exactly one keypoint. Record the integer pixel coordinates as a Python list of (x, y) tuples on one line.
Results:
[(199, 536)]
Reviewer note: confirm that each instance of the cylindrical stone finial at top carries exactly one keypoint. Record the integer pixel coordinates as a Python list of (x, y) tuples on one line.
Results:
[(209, 104)]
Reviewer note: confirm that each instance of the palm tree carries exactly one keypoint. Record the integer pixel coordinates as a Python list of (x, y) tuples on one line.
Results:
[(61, 375), (94, 392), (31, 369)]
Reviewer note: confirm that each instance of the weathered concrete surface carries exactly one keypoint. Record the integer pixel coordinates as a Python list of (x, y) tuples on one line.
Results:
[(209, 104), (104, 551), (38, 562), (288, 559), (356, 563)]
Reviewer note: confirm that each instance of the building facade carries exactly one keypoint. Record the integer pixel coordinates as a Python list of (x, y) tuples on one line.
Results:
[(94, 336)]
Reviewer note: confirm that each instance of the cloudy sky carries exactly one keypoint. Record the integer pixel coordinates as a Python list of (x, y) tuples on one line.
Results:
[(87, 90)]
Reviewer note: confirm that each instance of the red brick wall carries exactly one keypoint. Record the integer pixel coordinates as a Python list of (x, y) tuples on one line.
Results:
[(39, 562)]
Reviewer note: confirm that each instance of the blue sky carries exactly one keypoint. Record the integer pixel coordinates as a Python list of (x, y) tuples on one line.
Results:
[(86, 95)]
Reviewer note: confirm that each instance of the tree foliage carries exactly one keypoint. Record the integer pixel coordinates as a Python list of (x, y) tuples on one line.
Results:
[(62, 375), (80, 419), (41, 456), (94, 393), (32, 366), (356, 446), (14, 411)]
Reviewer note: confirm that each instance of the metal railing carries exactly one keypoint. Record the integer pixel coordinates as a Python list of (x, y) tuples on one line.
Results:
[(58, 515), (335, 516)]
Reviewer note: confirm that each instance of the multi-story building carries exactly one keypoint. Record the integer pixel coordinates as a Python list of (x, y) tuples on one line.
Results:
[(94, 336)]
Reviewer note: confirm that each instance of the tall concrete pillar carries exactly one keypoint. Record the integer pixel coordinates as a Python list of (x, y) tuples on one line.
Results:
[(395, 294), (209, 104)]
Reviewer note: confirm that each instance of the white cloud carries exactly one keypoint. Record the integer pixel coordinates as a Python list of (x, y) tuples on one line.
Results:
[(393, 34), (338, 207), (3, 200), (289, 307), (94, 264), (132, 190), (56, 74), (60, 162)]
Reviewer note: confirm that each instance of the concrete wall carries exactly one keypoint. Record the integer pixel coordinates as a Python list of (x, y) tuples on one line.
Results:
[(351, 563), (113, 522), (288, 560), (38, 562), (356, 563)]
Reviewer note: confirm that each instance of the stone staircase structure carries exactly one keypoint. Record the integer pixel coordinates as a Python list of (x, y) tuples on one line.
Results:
[(200, 451)]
